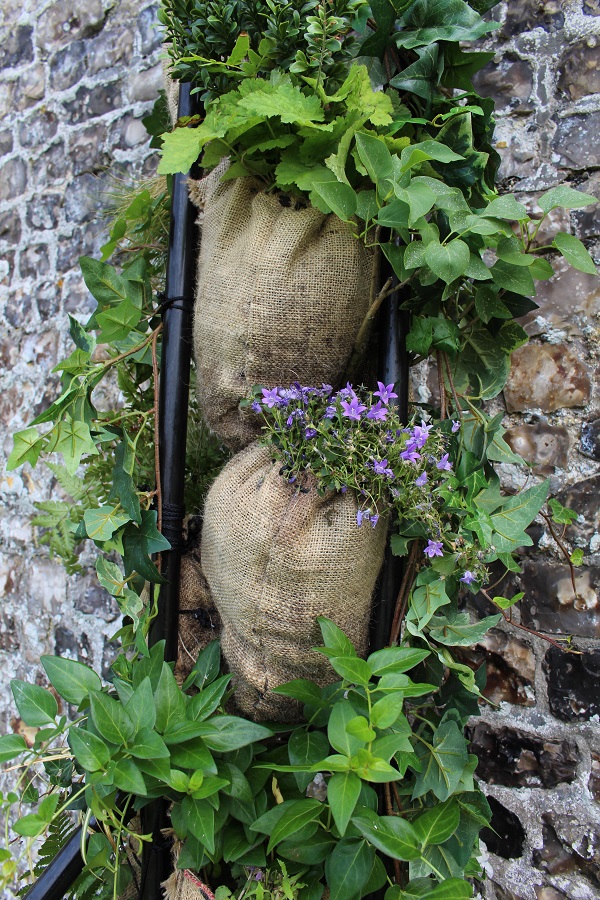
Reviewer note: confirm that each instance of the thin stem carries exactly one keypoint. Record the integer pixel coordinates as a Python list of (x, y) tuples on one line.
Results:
[(136, 349), (156, 435), (441, 384), (538, 634), (451, 382), (403, 593), (563, 550)]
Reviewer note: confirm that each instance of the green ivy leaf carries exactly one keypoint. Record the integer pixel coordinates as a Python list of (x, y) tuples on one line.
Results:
[(73, 439), (27, 446), (516, 279), (101, 524), (37, 706), (505, 603), (103, 282), (516, 513), (443, 762), (340, 198), (72, 679), (575, 253), (448, 261), (456, 630), (118, 321), (437, 824), (506, 207)]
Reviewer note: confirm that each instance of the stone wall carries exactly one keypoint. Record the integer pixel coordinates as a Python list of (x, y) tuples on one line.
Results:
[(75, 80)]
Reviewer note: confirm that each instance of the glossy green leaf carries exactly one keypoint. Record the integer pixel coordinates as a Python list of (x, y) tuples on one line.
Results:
[(515, 515), (506, 207), (565, 197), (352, 669), (73, 439), (340, 198), (72, 680), (37, 706), (147, 744), (343, 790), (110, 718), (443, 761), (348, 868), (448, 261), (437, 824), (27, 448), (103, 282), (386, 711), (128, 777), (339, 738), (90, 751), (295, 817), (396, 659), (334, 638), (306, 747), (101, 524), (576, 253), (169, 701), (11, 746), (392, 835)]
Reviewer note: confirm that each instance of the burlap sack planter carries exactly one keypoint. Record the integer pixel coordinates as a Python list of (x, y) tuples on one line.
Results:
[(281, 294), (276, 559), (199, 621)]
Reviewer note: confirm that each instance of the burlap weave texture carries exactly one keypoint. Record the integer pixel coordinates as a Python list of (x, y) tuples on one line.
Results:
[(275, 559), (281, 294)]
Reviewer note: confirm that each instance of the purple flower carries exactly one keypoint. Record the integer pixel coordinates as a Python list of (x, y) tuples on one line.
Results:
[(347, 393), (444, 464), (272, 398), (296, 414), (330, 412), (310, 433), (455, 427), (352, 409), (421, 480), (326, 390), (468, 577), (343, 489), (361, 515), (256, 407), (379, 466), (377, 412), (385, 392), (420, 434), (410, 454), (374, 520), (433, 548)]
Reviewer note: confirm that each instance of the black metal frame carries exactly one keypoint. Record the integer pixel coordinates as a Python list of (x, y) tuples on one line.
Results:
[(173, 405)]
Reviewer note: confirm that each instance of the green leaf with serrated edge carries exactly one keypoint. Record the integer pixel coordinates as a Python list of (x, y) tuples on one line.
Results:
[(340, 198), (437, 824), (448, 261), (515, 515), (149, 745), (110, 576), (37, 706), (110, 718), (27, 448), (443, 762), (575, 253), (396, 659), (101, 524), (90, 751), (386, 711), (73, 439), (72, 679), (136, 555), (123, 490), (565, 197), (11, 746), (128, 777), (300, 813), (456, 630), (180, 150), (392, 835), (505, 603), (334, 638), (343, 790), (286, 102), (348, 868), (352, 669), (206, 702), (339, 738), (304, 748), (169, 701)]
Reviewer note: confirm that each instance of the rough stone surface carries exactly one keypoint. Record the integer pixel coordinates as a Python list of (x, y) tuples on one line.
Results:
[(573, 684), (590, 439), (583, 498), (545, 446), (547, 377), (574, 142), (505, 836), (580, 70), (515, 759), (553, 606)]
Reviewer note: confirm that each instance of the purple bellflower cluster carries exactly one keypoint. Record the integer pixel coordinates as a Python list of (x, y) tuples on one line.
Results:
[(354, 439)]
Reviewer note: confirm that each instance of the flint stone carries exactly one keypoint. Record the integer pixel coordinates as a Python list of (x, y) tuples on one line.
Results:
[(516, 759), (553, 857), (580, 70), (591, 7), (547, 892), (579, 840), (9, 641), (34, 261), (68, 66), (505, 836), (67, 644), (545, 446), (583, 498), (6, 142), (92, 102), (94, 600), (151, 33), (568, 298), (550, 604), (590, 439), (38, 128), (573, 684), (509, 666), (546, 377), (13, 178), (30, 87), (575, 141), (47, 299), (10, 226), (65, 22), (508, 83), (86, 149), (16, 46), (52, 166), (109, 48), (43, 211), (523, 15), (144, 86), (594, 781)]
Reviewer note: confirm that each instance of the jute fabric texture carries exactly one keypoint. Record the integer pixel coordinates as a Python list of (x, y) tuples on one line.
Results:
[(281, 294), (199, 621), (275, 559)]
